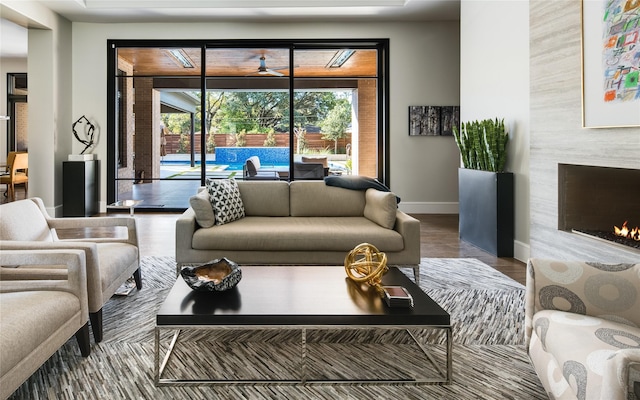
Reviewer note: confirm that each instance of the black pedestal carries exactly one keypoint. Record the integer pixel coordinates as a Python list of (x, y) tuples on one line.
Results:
[(80, 188)]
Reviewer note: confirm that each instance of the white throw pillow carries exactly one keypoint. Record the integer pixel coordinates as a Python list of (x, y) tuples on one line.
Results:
[(225, 200), (381, 207), (202, 207)]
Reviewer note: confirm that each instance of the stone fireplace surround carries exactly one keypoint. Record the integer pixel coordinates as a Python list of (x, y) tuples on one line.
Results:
[(557, 135)]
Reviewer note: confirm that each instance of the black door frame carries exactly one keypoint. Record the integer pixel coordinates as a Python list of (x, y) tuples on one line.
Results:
[(381, 45)]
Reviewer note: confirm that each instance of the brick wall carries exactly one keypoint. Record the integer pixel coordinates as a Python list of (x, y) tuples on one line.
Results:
[(21, 125), (367, 151), (126, 171), (147, 137)]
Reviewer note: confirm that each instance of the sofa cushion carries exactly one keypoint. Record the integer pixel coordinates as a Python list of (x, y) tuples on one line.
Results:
[(315, 199), (381, 207), (265, 199), (582, 345), (297, 234), (30, 319), (225, 200), (112, 256), (203, 209)]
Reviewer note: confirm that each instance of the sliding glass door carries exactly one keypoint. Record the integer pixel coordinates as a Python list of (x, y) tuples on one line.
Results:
[(181, 112)]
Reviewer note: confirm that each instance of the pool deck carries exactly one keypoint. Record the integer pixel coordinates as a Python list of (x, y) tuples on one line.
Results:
[(178, 181)]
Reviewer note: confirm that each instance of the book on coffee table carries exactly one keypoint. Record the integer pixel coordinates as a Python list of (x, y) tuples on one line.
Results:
[(397, 296)]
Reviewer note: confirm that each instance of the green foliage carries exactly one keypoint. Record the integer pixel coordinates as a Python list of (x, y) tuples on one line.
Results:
[(211, 143), (183, 144), (483, 144), (301, 135), (270, 141), (241, 139), (255, 112), (335, 125)]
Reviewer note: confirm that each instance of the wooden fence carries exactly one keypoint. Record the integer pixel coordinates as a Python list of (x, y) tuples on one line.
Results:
[(314, 142)]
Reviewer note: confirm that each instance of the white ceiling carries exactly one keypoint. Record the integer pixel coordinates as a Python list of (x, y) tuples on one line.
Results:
[(254, 10), (13, 42)]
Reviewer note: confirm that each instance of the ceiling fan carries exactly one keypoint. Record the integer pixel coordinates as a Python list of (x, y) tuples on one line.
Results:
[(263, 70)]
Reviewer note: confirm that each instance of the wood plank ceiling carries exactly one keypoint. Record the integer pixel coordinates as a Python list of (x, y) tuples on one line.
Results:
[(228, 62)]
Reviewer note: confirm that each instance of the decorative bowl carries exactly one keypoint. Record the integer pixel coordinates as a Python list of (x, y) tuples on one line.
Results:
[(214, 276)]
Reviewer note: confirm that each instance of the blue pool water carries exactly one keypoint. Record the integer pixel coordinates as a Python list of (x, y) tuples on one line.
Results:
[(238, 155), (235, 157)]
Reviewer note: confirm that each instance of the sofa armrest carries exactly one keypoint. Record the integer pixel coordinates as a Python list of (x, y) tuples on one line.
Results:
[(93, 279), (186, 226), (409, 228), (90, 222), (585, 288), (621, 374), (58, 270), (97, 222)]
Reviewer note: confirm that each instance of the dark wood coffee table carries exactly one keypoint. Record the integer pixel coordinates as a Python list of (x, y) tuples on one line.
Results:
[(298, 297)]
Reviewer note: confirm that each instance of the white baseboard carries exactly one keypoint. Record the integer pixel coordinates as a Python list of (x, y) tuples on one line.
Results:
[(521, 251), (428, 208)]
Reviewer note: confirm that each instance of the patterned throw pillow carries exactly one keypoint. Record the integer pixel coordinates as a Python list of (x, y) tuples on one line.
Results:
[(225, 200)]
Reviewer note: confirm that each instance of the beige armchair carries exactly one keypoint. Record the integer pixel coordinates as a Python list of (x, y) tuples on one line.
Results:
[(43, 303), (26, 225)]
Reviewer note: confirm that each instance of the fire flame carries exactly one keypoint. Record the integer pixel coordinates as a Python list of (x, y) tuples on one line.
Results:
[(626, 232)]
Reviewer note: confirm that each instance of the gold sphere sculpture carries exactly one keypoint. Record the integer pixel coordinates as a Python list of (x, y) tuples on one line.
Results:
[(365, 263)]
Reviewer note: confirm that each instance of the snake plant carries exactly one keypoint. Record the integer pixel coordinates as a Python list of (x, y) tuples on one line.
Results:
[(483, 144)]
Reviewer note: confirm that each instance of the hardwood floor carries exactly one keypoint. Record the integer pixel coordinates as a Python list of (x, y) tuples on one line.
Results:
[(439, 239)]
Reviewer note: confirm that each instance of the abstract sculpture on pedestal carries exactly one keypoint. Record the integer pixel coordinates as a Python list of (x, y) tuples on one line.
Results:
[(88, 131)]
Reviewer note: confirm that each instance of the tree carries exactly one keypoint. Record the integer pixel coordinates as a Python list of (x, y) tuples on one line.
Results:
[(270, 141), (335, 126)]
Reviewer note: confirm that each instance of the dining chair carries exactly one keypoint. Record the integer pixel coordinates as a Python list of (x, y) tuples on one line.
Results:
[(17, 165)]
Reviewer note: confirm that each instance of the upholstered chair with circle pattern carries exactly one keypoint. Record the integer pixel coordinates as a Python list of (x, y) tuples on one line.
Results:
[(583, 328)]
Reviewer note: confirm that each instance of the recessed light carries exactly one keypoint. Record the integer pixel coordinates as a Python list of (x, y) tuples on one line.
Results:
[(340, 58), (181, 57)]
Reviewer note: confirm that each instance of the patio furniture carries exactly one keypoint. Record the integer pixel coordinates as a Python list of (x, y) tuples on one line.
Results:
[(308, 171), (252, 171)]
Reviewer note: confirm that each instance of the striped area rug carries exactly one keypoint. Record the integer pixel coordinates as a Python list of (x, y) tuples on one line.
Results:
[(489, 357)]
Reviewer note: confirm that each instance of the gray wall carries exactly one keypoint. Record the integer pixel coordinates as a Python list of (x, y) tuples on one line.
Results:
[(424, 70), (557, 135)]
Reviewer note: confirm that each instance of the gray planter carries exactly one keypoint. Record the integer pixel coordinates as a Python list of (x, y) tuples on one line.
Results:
[(486, 210)]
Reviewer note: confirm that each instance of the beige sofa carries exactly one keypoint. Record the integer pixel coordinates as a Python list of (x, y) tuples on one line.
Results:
[(583, 328), (43, 303), (302, 222)]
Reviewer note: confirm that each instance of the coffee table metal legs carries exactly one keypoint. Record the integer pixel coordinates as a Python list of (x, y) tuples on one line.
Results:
[(446, 374), (303, 358)]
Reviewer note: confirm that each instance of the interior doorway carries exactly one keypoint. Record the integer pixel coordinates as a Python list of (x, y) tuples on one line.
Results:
[(17, 111)]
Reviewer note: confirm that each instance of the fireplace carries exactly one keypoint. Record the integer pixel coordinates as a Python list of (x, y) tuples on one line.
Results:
[(593, 200)]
